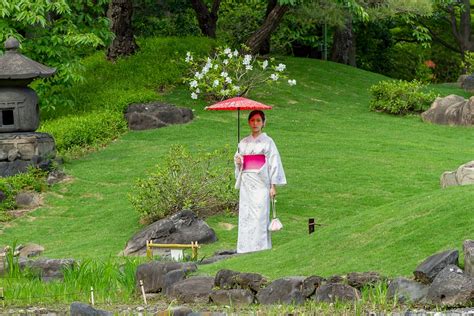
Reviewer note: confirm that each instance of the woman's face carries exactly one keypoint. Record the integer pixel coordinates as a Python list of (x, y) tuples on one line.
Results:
[(256, 124)]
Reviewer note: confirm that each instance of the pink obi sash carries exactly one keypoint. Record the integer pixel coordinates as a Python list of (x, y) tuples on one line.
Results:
[(253, 162)]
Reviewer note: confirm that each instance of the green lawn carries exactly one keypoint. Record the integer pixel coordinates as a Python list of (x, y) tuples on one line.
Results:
[(371, 179)]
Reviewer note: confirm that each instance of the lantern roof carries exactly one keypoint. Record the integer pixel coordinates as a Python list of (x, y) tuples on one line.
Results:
[(14, 65)]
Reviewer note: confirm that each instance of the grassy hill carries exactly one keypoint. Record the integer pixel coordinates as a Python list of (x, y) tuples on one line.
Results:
[(371, 179)]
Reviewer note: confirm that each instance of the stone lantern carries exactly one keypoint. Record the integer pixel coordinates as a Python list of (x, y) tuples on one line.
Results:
[(20, 145)]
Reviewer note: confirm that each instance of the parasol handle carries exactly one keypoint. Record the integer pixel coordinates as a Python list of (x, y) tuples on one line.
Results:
[(238, 128)]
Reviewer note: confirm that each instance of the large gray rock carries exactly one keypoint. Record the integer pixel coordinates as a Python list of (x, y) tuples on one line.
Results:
[(310, 284), (251, 281), (29, 250), (362, 279), (283, 291), (407, 291), (81, 309), (225, 279), (468, 249), (155, 115), (333, 292), (171, 278), (452, 110), (232, 297), (228, 279), (181, 228), (336, 279), (47, 269), (451, 287), (192, 290), (155, 274), (463, 175), (28, 199), (428, 269)]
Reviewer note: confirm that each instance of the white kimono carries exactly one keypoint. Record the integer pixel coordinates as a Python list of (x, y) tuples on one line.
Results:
[(254, 186)]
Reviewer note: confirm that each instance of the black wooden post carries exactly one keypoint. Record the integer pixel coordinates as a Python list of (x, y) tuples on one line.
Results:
[(311, 225)]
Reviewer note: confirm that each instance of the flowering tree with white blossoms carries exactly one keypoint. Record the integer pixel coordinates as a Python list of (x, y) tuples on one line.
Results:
[(230, 73)]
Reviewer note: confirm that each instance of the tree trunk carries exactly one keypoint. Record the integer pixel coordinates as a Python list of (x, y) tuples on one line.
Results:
[(271, 22), (120, 14), (344, 46), (265, 48), (462, 32), (207, 19)]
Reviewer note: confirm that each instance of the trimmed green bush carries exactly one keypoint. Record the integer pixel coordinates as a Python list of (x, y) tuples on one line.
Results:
[(400, 97), (201, 182), (89, 130), (32, 180)]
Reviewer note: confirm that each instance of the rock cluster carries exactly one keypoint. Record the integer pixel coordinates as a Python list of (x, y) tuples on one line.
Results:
[(463, 175), (439, 280), (181, 228), (451, 110)]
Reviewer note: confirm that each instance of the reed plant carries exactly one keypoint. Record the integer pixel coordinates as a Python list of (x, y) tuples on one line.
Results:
[(112, 281)]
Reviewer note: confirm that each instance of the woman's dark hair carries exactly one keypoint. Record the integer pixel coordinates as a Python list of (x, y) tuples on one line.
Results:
[(255, 112)]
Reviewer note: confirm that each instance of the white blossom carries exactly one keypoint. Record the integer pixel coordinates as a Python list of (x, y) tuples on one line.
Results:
[(198, 90), (236, 88), (236, 53), (291, 82), (280, 67), (265, 64), (215, 83), (194, 96), (230, 55), (247, 60), (189, 57), (227, 51), (198, 75), (193, 84), (228, 80), (274, 77), (216, 66), (207, 67), (224, 74), (248, 67), (225, 61)]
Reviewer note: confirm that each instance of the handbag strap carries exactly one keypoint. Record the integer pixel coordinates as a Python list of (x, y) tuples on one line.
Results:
[(274, 208)]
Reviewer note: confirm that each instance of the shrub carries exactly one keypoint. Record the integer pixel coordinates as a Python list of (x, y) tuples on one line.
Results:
[(89, 130), (32, 180), (400, 97), (201, 182)]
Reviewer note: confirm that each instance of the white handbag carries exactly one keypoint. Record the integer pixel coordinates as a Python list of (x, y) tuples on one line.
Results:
[(275, 224)]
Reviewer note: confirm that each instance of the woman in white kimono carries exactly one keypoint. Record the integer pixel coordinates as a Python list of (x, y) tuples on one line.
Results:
[(258, 170)]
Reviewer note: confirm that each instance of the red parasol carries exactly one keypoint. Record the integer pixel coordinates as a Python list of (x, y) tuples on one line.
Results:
[(238, 103)]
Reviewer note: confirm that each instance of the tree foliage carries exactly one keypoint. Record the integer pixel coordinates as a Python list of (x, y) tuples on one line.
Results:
[(56, 33)]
